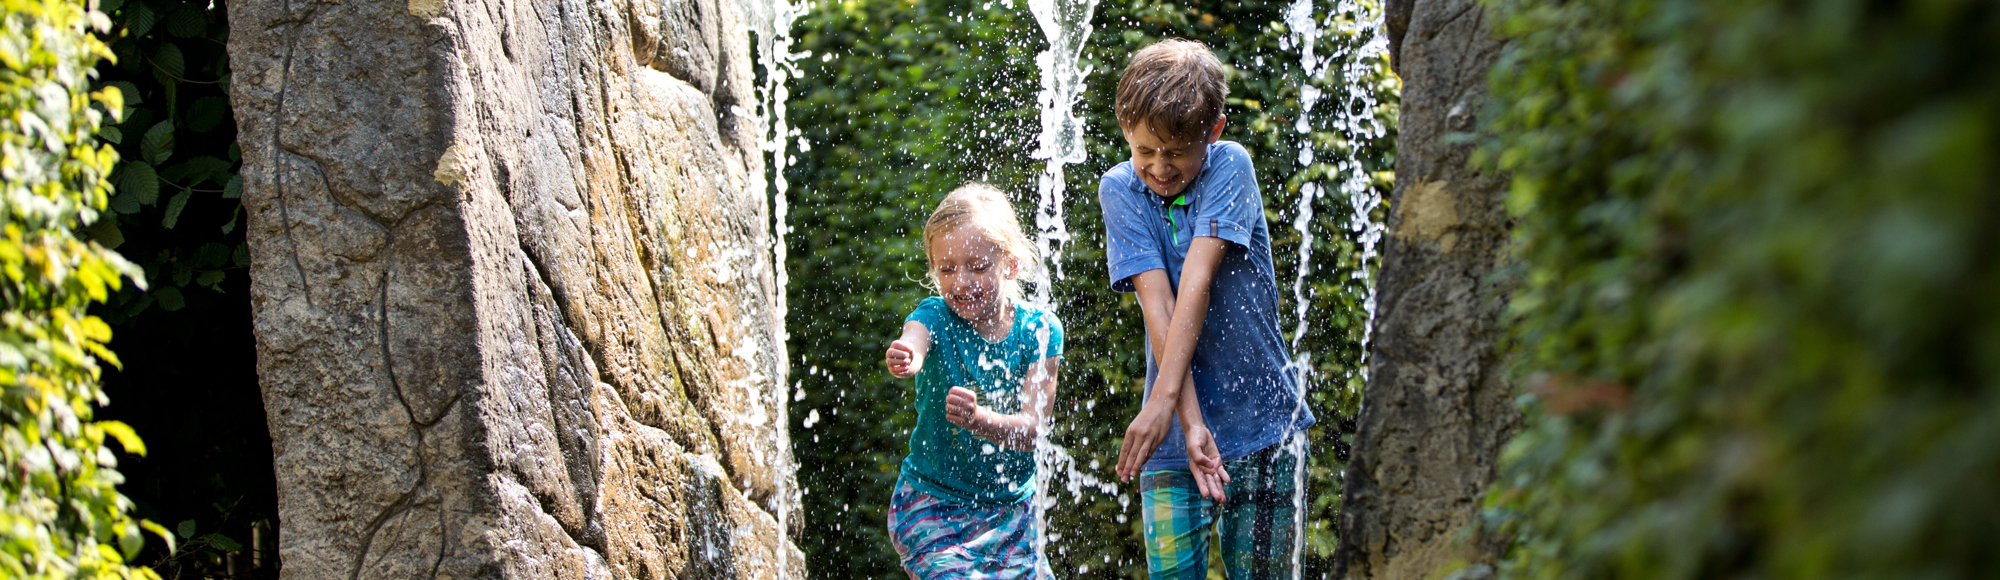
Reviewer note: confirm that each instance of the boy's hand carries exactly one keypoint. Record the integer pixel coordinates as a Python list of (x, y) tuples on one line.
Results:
[(961, 407), (1142, 438), (1206, 463), (904, 360)]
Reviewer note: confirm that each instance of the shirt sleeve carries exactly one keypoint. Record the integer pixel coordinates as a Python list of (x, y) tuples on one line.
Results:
[(1129, 247), (1227, 202), (930, 313)]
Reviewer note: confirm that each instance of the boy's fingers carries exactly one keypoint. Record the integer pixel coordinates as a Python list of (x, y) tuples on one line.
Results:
[(1124, 452), (1128, 457)]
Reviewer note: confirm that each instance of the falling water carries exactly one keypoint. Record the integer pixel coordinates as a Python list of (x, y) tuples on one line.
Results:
[(1066, 23), (1354, 121), (772, 21)]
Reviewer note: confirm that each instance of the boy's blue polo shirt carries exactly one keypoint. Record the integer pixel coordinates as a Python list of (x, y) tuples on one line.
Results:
[(1247, 397)]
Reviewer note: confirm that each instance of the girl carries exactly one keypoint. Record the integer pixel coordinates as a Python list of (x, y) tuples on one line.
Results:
[(985, 365)]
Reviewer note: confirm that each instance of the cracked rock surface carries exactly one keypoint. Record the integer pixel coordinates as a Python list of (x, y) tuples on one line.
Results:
[(1437, 406), (512, 289)]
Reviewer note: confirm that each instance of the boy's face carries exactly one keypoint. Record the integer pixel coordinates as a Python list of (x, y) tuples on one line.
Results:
[(1166, 164)]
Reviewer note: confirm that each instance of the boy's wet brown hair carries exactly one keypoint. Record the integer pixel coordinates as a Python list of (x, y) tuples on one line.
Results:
[(1175, 86)]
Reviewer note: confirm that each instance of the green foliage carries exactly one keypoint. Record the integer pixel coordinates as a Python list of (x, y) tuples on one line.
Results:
[(1758, 253), (189, 380), (899, 103), (63, 516), (177, 189)]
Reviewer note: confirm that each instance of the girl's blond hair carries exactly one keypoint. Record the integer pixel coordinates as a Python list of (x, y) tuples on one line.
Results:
[(979, 204)]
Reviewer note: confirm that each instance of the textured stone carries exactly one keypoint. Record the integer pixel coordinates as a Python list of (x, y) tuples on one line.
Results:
[(1437, 405), (512, 286)]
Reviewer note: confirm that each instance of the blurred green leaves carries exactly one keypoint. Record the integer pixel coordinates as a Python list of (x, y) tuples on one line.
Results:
[(1770, 228)]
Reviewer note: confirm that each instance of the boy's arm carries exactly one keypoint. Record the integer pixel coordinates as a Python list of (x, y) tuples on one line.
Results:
[(1017, 431), (1190, 312), (1149, 428), (906, 354), (1173, 324)]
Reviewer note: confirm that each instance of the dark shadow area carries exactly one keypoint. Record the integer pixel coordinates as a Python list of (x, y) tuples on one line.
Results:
[(189, 387)]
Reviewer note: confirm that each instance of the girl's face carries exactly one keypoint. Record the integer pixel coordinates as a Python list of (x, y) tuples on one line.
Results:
[(970, 270)]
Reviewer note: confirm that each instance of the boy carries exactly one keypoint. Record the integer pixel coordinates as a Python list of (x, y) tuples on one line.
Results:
[(1184, 228)]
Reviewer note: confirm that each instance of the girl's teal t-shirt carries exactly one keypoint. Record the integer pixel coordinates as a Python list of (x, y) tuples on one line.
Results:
[(948, 461)]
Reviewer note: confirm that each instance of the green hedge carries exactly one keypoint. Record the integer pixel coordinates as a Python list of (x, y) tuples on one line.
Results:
[(1759, 330), (63, 517)]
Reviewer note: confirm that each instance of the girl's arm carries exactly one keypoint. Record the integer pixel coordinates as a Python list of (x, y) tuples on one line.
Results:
[(1016, 431), (906, 354)]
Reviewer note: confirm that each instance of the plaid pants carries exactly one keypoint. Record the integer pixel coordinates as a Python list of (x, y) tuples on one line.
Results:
[(1258, 526)]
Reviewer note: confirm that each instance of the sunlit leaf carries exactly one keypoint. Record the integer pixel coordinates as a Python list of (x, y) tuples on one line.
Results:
[(162, 532), (126, 437)]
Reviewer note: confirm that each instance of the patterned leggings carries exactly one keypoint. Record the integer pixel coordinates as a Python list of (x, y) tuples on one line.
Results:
[(940, 540)]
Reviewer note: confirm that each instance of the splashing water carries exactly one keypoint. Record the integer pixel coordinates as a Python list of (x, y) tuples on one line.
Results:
[(772, 20), (1354, 120), (1066, 24)]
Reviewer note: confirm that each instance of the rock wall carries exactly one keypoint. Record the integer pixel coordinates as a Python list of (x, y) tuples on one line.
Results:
[(1437, 406), (512, 288)]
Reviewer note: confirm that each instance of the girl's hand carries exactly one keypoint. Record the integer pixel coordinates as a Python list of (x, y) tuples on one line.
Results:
[(961, 407), (904, 360)]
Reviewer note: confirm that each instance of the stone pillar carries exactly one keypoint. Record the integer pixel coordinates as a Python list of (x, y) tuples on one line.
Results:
[(1437, 406), (512, 287)]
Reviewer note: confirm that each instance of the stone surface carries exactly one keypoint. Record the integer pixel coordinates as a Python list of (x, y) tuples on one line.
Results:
[(1437, 406), (512, 289)]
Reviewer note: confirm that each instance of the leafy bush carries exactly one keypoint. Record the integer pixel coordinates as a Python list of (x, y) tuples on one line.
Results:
[(189, 378), (1758, 245), (63, 517), (177, 186)]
